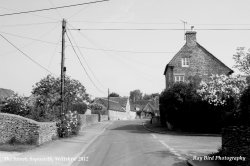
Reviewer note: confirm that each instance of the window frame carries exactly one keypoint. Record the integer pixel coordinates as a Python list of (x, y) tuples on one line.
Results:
[(185, 62), (179, 78)]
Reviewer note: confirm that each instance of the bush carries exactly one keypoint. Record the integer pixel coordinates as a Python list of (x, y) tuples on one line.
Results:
[(245, 106), (183, 108), (69, 124), (16, 105), (98, 109), (79, 107)]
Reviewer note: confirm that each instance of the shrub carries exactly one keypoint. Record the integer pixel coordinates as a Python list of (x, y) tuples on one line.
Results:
[(183, 108), (69, 124), (245, 106), (79, 107), (97, 109), (16, 105)]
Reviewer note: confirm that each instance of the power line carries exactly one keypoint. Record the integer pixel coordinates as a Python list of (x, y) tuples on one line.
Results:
[(85, 60), (124, 22), (26, 55), (53, 8), (91, 48), (158, 29), (29, 13), (83, 66), (29, 24)]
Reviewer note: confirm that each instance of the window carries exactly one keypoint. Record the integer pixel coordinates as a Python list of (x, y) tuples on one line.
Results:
[(179, 78), (185, 62)]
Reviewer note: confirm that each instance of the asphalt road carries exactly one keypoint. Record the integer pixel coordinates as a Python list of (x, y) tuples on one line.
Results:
[(127, 143)]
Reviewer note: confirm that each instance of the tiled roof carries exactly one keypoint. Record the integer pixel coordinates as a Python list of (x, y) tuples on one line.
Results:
[(139, 104), (121, 100), (113, 105)]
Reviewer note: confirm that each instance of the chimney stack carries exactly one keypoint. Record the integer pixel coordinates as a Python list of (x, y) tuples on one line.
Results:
[(191, 38)]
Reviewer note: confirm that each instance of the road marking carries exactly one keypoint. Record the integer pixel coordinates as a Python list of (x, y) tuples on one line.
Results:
[(172, 150), (154, 136)]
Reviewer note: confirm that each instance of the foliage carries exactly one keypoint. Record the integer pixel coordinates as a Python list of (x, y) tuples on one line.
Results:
[(150, 96), (69, 124), (222, 90), (16, 104), (113, 94), (80, 108), (40, 115), (97, 108), (136, 95), (47, 92), (183, 108), (242, 60), (245, 106)]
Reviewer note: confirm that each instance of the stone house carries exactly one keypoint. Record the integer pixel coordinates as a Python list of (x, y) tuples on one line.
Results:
[(152, 107), (118, 108), (193, 61)]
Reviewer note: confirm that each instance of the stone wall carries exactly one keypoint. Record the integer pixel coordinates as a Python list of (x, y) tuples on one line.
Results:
[(236, 143), (25, 130)]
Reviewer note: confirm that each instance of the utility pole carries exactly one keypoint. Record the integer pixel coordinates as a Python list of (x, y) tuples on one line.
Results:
[(63, 68), (108, 99)]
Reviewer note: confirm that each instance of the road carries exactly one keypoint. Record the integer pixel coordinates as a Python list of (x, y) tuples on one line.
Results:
[(127, 143)]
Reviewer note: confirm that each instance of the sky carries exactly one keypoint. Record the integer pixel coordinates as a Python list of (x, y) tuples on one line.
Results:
[(121, 60)]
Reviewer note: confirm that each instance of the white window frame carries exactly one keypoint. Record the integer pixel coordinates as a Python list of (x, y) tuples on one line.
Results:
[(179, 78), (185, 62)]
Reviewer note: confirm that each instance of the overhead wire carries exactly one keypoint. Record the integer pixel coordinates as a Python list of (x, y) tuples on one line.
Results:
[(117, 58), (93, 83), (91, 48), (27, 56), (53, 8), (79, 50), (33, 14), (159, 29)]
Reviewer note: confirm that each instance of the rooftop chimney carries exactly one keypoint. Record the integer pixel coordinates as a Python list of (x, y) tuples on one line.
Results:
[(191, 38)]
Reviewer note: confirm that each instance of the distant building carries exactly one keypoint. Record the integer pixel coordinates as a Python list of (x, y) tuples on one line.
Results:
[(118, 108), (193, 61)]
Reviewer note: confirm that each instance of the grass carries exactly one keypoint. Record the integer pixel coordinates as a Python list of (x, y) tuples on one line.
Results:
[(16, 147)]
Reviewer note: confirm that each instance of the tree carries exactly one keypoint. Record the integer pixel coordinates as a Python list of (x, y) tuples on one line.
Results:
[(136, 95), (150, 96), (47, 92), (113, 94), (16, 104), (242, 60)]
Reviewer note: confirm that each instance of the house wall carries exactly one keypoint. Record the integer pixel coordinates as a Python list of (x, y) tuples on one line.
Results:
[(201, 63), (235, 143), (26, 130), (117, 115)]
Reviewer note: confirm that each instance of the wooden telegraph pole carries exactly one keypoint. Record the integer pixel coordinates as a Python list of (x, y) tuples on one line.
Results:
[(63, 68)]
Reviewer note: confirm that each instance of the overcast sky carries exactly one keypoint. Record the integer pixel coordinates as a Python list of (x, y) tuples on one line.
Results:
[(122, 60)]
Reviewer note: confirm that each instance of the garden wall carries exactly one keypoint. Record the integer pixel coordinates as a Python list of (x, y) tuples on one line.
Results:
[(236, 143), (25, 130)]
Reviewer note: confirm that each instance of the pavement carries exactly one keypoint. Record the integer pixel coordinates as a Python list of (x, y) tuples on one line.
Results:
[(193, 147), (61, 152)]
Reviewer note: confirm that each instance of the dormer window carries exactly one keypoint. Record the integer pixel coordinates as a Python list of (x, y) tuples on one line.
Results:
[(185, 62)]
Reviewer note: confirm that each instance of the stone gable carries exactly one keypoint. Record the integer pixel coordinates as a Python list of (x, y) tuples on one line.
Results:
[(201, 62)]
